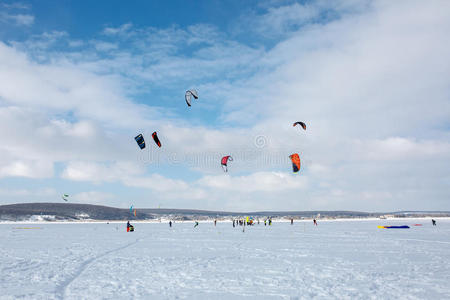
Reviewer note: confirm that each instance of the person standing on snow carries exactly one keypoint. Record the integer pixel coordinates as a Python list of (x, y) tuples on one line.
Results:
[(129, 227)]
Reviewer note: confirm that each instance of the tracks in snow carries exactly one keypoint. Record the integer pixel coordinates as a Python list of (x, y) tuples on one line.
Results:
[(61, 288)]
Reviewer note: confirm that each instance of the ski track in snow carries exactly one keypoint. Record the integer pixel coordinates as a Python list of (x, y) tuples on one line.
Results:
[(61, 288), (335, 260)]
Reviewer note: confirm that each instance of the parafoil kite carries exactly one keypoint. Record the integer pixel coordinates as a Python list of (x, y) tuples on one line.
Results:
[(295, 162), (155, 138), (189, 94), (140, 141), (224, 162), (135, 212), (301, 124), (65, 197)]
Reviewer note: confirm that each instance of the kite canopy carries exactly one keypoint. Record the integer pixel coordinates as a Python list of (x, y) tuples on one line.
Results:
[(65, 197), (394, 227), (295, 162), (189, 94), (301, 124), (155, 138), (140, 141), (224, 162)]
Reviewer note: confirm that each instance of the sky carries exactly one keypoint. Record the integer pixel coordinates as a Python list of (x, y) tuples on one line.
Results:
[(371, 80)]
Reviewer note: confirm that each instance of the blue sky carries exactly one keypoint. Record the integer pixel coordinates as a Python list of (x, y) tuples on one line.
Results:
[(80, 79)]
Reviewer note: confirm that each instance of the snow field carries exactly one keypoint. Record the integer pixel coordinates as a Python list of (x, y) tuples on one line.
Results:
[(335, 260)]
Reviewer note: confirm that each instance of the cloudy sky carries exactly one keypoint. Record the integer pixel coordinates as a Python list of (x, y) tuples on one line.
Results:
[(371, 79)]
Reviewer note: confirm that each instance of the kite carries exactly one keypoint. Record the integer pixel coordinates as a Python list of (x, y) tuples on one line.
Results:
[(394, 227), (301, 124), (189, 94), (224, 162), (140, 141), (65, 197), (155, 138), (295, 162)]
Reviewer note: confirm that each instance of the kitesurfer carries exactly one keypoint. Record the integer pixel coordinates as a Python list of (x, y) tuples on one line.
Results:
[(292, 221), (196, 224), (433, 221), (233, 223), (170, 223), (265, 222), (215, 222), (270, 222), (315, 222), (129, 227)]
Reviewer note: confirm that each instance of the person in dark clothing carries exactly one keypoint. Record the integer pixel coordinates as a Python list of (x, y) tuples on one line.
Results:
[(129, 227), (196, 224), (292, 221), (315, 222), (433, 221), (233, 223), (170, 223), (215, 222)]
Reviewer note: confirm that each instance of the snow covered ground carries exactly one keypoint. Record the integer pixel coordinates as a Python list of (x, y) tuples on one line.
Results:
[(335, 260)]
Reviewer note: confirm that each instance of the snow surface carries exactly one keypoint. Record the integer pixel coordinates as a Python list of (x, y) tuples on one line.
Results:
[(335, 260)]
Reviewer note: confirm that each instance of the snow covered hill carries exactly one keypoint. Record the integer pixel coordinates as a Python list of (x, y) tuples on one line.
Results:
[(85, 212)]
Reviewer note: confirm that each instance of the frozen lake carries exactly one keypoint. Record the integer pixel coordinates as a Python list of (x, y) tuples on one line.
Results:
[(335, 260)]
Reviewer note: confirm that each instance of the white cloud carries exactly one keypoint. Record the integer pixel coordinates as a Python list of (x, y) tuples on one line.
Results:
[(16, 5), (21, 19), (17, 19), (76, 43), (92, 197), (104, 46), (371, 81), (26, 168), (28, 194), (259, 181), (96, 172), (398, 149), (117, 30)]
